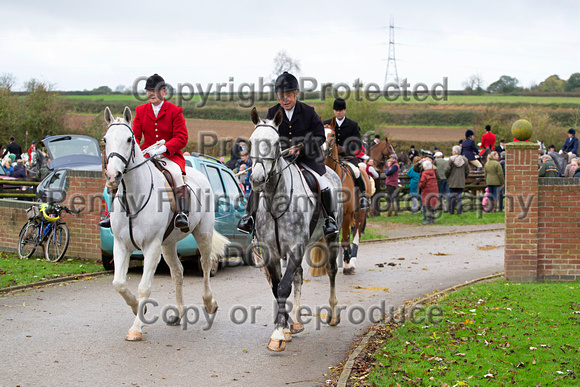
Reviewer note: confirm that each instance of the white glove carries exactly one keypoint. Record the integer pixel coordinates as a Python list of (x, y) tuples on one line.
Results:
[(158, 151), (561, 152)]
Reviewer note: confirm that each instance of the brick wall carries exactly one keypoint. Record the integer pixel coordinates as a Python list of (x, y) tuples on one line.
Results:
[(541, 241), (84, 192), (558, 227)]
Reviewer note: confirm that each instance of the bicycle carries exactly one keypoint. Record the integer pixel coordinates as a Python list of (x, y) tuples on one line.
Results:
[(44, 225)]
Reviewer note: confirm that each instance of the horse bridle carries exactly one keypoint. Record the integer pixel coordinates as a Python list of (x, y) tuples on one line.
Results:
[(275, 159), (118, 155), (131, 157), (272, 172), (126, 162)]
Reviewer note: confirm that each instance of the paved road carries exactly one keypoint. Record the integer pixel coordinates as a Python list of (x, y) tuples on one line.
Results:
[(73, 334)]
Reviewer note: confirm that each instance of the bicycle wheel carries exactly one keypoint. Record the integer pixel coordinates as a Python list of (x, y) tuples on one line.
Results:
[(57, 243), (27, 240)]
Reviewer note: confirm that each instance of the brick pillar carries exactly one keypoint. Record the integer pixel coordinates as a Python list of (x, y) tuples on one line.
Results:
[(84, 192), (521, 212)]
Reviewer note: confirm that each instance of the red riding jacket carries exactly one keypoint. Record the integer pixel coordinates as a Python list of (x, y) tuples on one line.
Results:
[(487, 140), (169, 125)]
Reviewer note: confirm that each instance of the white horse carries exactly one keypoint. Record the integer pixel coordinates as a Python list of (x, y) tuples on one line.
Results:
[(288, 225), (141, 213)]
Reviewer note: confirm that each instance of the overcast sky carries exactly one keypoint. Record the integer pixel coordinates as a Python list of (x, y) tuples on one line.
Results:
[(78, 45)]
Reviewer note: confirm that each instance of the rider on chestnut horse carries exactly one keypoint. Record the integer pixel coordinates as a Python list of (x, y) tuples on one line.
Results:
[(348, 140)]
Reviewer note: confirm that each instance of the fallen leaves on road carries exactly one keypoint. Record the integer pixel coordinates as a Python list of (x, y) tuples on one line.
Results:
[(488, 247), (373, 288)]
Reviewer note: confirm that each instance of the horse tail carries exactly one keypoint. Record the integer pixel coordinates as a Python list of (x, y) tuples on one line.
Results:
[(318, 259), (218, 245)]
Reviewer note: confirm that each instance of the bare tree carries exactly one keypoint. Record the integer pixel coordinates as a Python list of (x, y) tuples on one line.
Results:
[(284, 62), (7, 81), (474, 84)]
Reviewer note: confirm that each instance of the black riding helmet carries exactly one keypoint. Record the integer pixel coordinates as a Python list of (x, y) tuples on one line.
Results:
[(155, 82), (286, 82)]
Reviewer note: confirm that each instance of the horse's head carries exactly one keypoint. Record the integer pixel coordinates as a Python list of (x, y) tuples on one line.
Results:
[(542, 149), (264, 149), (328, 145), (381, 152), (119, 146)]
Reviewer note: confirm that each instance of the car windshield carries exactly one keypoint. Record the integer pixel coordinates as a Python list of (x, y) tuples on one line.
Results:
[(68, 146)]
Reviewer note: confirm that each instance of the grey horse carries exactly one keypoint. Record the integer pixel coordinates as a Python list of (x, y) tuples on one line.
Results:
[(560, 160), (288, 226)]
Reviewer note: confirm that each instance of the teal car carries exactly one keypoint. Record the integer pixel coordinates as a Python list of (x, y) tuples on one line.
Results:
[(230, 206)]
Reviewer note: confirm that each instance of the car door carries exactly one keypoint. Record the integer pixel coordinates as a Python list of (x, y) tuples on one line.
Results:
[(221, 201), (237, 206)]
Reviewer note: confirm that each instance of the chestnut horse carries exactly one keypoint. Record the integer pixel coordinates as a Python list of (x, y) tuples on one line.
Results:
[(353, 217), (380, 153)]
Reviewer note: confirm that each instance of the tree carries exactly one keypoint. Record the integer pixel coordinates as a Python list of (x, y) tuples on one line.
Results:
[(505, 84), (573, 82), (474, 84), (120, 89), (8, 109), (102, 90), (284, 62), (7, 81), (552, 84), (44, 112)]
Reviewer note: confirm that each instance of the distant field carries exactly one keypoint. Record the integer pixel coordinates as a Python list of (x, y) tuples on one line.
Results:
[(451, 100), (484, 100), (102, 97)]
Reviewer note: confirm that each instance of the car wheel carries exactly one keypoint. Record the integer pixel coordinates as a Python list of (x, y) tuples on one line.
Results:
[(108, 263), (214, 267)]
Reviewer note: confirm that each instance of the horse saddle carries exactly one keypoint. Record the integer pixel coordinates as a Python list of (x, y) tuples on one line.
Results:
[(310, 181), (169, 183)]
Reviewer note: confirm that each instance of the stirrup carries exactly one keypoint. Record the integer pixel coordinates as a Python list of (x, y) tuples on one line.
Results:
[(364, 203), (105, 223), (330, 226), (246, 224), (181, 222)]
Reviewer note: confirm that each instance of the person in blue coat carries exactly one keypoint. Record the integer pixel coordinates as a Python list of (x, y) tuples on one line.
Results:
[(414, 174), (571, 144)]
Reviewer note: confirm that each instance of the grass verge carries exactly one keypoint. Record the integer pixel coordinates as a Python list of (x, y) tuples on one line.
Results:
[(499, 333), (15, 271), (442, 219)]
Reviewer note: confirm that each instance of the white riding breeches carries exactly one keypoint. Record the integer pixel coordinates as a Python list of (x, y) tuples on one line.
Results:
[(354, 170), (175, 171), (321, 179)]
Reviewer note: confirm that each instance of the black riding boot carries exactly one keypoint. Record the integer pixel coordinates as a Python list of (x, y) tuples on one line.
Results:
[(246, 224), (182, 199), (364, 202), (106, 223), (330, 226)]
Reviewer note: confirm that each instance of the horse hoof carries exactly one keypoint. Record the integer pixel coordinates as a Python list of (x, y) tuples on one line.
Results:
[(134, 336), (173, 320), (349, 270), (296, 328), (334, 321), (287, 336), (214, 308), (276, 345)]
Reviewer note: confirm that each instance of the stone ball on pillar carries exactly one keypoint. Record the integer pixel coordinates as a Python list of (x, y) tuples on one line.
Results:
[(522, 130)]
